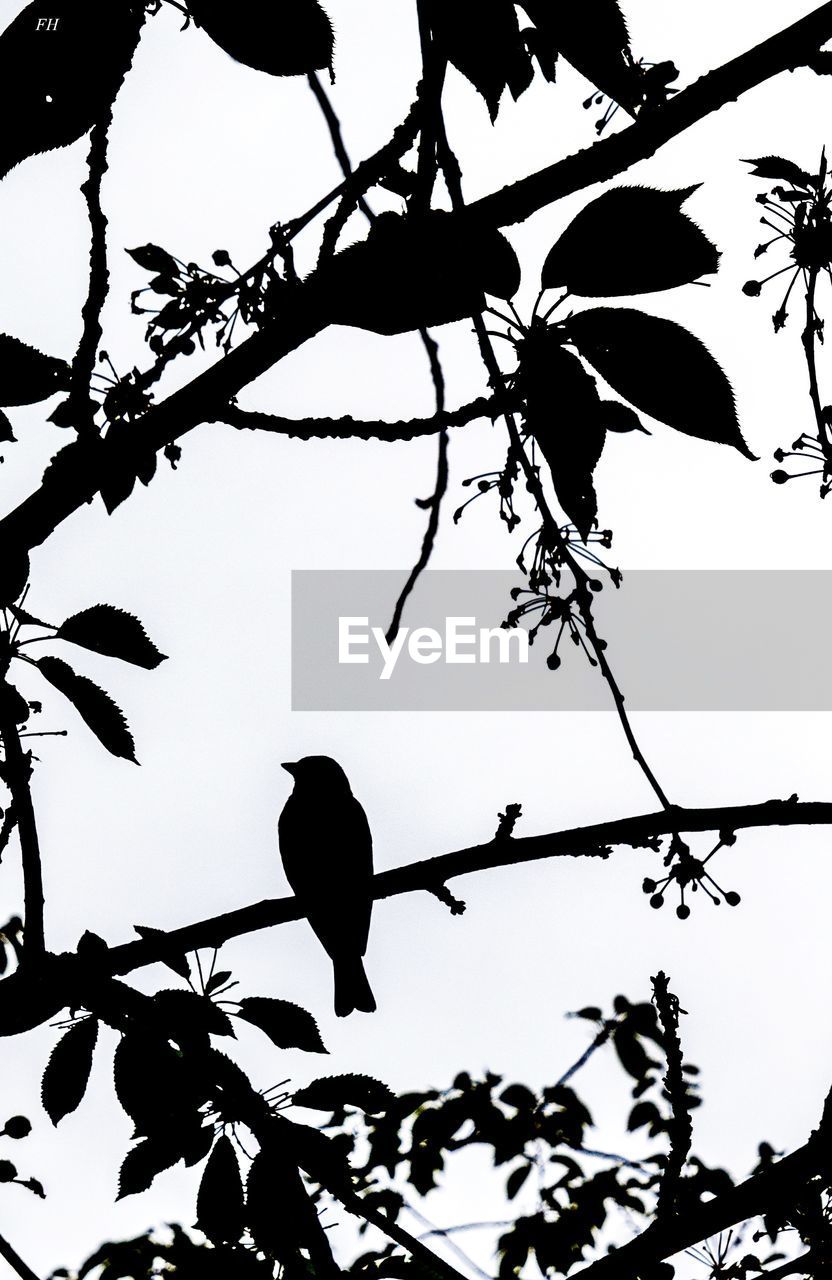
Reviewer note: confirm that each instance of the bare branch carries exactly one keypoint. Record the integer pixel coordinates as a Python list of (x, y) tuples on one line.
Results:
[(590, 841), (13, 1258), (17, 773)]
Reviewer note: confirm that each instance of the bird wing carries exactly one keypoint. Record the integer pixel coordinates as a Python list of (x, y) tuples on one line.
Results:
[(327, 854)]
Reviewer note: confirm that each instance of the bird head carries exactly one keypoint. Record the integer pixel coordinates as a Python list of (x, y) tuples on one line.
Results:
[(317, 771)]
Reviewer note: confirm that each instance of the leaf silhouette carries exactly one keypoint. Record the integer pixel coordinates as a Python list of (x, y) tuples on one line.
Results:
[(418, 271), (187, 1017), (279, 1213), (113, 632), (57, 80), (481, 38), (620, 417), (153, 258), (7, 435), (662, 369), (564, 414), (220, 1204), (26, 375), (592, 35), (68, 1070), (287, 1025), (142, 1164), (288, 39), (95, 707), (158, 1090), (781, 170), (515, 1180), (331, 1093), (630, 240)]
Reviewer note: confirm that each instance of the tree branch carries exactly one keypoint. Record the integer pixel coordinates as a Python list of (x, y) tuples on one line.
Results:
[(17, 773), (348, 428), (790, 48), (590, 841), (680, 1129), (76, 481)]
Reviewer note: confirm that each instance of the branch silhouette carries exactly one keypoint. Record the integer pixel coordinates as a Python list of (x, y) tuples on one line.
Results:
[(348, 428), (589, 841), (75, 479)]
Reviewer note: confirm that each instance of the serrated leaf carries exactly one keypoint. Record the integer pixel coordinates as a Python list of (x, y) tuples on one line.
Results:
[(482, 39), (662, 369), (780, 170), (95, 707), (563, 413), (287, 1025), (26, 375), (67, 1073), (515, 1180), (113, 632), (282, 40), (190, 1016), (220, 1205), (56, 82), (159, 1090), (143, 1163), (630, 240), (153, 258), (592, 35), (331, 1093)]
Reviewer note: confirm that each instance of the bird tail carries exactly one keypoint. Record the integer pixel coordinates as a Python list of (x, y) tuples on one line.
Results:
[(352, 990)]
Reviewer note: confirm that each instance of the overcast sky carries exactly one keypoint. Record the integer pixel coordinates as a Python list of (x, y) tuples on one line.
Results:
[(207, 154)]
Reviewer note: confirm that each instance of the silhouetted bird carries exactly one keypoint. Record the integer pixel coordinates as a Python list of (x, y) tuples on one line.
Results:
[(327, 853)]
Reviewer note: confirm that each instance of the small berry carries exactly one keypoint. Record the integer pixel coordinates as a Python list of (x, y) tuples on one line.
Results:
[(648, 885), (17, 1127), (8, 1173), (683, 911), (657, 901), (752, 288), (780, 477), (733, 899)]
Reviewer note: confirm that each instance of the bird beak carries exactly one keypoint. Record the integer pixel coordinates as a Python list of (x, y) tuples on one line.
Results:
[(290, 768)]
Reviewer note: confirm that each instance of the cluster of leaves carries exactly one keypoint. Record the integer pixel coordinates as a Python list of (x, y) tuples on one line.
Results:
[(101, 629), (486, 43), (405, 1142)]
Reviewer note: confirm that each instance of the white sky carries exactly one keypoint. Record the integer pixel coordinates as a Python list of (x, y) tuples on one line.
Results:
[(207, 154)]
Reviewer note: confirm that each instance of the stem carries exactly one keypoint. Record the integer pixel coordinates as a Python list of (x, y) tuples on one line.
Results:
[(808, 338), (434, 503), (18, 772), (15, 1261)]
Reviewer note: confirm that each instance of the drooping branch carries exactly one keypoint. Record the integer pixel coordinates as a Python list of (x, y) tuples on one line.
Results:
[(77, 480), (80, 408), (590, 841), (434, 503)]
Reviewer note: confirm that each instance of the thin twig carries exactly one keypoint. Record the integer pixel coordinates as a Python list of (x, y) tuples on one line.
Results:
[(333, 124), (434, 502), (347, 428), (17, 773)]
